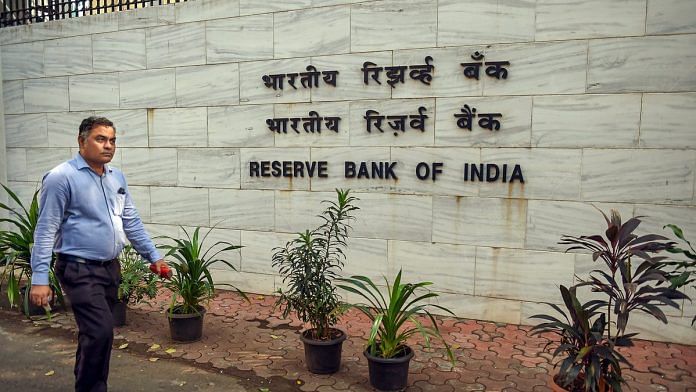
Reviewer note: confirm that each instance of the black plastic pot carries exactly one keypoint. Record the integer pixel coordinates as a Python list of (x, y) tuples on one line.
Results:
[(389, 374), (186, 327), (323, 356), (33, 309), (119, 313)]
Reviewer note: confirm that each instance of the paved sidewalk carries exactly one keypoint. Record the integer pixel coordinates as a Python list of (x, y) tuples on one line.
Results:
[(252, 340)]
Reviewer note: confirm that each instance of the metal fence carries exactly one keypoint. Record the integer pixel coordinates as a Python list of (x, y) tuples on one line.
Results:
[(20, 12)]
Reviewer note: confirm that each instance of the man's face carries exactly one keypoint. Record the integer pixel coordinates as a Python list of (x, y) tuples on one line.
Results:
[(99, 146)]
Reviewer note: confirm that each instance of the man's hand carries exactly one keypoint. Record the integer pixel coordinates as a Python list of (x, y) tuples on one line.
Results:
[(159, 264), (40, 294)]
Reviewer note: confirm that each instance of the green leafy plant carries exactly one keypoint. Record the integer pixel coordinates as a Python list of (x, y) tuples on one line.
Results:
[(310, 263), (16, 246), (683, 272), (390, 316), (634, 279), (137, 282), (192, 281)]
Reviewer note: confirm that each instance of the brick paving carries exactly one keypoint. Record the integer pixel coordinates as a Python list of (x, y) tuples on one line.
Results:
[(254, 339)]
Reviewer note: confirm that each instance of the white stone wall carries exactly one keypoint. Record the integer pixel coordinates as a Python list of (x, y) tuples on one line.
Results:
[(599, 108)]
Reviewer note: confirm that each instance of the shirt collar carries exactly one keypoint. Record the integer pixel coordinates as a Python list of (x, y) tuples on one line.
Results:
[(80, 163)]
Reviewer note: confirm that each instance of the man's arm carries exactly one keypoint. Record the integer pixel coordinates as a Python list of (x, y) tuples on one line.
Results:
[(136, 233), (55, 195)]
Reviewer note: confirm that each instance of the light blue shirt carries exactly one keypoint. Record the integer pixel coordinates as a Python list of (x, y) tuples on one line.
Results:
[(86, 215)]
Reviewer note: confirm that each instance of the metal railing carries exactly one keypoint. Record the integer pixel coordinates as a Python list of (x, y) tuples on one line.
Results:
[(21, 12)]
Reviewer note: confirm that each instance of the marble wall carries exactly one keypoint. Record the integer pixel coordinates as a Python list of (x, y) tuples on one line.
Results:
[(598, 109)]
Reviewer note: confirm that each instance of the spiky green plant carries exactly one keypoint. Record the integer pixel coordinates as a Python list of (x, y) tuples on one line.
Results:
[(137, 282), (192, 281), (391, 315)]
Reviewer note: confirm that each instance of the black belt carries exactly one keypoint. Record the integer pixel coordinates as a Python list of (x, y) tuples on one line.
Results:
[(76, 259)]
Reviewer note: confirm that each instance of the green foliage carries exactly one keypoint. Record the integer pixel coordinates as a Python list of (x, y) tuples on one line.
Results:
[(683, 272), (192, 280), (627, 287), (390, 316), (137, 282), (310, 263)]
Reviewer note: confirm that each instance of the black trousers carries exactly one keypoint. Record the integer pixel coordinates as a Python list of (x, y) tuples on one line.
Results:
[(92, 291)]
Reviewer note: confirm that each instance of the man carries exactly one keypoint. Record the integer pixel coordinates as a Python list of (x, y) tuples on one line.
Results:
[(85, 215)]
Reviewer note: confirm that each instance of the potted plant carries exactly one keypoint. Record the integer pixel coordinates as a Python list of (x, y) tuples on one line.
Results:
[(309, 264), (634, 279), (394, 320), (192, 282), (683, 272), (137, 283), (16, 246)]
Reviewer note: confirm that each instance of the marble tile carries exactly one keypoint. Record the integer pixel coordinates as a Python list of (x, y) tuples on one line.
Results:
[(26, 130), (548, 173), (46, 95), (41, 160), (239, 126), (679, 329), (253, 90), (210, 237), (146, 17), (568, 19), (296, 212), (450, 267), (366, 257), (13, 96), (119, 51), (24, 191), (530, 309), (141, 199), (86, 25), (349, 83), (667, 121), (16, 34), (655, 217), (479, 221), (94, 92), (670, 16), (22, 61), (179, 127), (150, 166), (153, 88), (448, 76), (258, 250), (63, 128), (179, 206), (620, 64), (451, 179), (131, 126), (390, 25), (239, 39), (539, 68), (586, 120), (242, 209), (311, 32), (16, 165), (384, 216), (250, 283), (515, 123), (484, 22), (206, 9), (273, 154), (209, 167), (175, 45), (157, 233), (325, 137), (261, 6), (68, 56), (207, 85), (522, 274), (336, 167), (480, 308), (665, 176), (548, 220), (361, 136)]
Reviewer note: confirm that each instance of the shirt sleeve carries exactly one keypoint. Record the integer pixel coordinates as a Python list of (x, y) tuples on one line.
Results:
[(55, 196), (136, 233)]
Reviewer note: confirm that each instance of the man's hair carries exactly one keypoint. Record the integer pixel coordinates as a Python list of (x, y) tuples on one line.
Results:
[(91, 122)]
